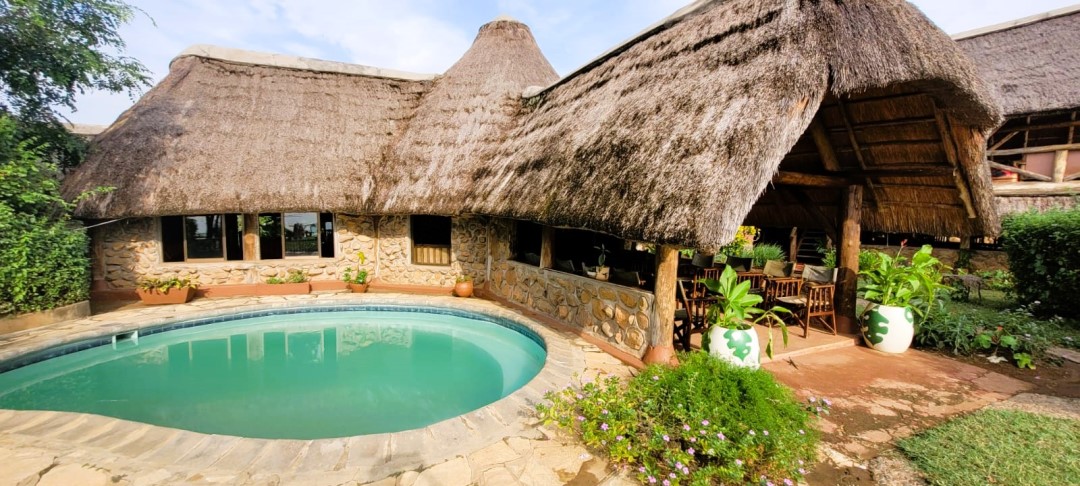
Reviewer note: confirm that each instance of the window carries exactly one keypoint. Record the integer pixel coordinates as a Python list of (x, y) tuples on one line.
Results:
[(430, 240), (528, 239), (205, 237), (296, 235)]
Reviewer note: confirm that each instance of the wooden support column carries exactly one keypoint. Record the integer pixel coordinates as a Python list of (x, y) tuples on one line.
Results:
[(1061, 157), (547, 242), (251, 237), (793, 243), (847, 280), (662, 328)]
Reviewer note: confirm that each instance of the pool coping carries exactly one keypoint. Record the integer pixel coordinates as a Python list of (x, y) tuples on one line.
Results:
[(375, 456)]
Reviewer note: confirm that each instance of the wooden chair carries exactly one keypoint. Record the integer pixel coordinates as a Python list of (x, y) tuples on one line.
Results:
[(565, 266), (815, 300), (757, 280), (691, 315), (777, 288), (625, 277)]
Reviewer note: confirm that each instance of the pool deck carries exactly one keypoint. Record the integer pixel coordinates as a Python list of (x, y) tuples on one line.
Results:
[(501, 443)]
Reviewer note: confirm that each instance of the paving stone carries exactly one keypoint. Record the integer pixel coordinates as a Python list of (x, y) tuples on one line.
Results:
[(72, 474), (497, 453), (324, 455), (407, 478), (453, 472), (497, 476), (16, 470), (157, 476)]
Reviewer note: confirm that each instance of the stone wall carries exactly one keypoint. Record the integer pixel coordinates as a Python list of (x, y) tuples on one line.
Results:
[(617, 314), (129, 250), (468, 256), (981, 260)]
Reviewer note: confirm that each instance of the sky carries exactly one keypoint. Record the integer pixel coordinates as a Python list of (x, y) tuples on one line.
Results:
[(426, 36)]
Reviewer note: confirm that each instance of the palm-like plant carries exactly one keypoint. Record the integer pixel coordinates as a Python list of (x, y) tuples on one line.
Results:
[(737, 308)]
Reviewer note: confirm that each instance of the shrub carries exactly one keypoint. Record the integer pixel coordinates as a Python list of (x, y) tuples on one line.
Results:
[(1044, 257), (703, 422), (764, 252), (43, 254)]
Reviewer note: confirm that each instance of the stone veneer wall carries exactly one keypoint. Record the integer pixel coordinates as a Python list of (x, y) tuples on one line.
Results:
[(128, 250), (468, 255), (618, 314)]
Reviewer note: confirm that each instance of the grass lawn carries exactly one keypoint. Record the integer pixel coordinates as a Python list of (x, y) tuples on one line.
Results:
[(998, 447)]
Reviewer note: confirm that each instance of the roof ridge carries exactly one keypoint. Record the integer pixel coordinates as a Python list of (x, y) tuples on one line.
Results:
[(1014, 23), (255, 58)]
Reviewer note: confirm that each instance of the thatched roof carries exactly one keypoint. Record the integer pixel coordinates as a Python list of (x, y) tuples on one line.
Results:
[(1034, 62), (235, 131), (670, 137)]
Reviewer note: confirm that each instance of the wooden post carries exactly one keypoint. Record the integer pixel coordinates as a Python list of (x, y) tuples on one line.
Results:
[(793, 244), (546, 246), (251, 237), (848, 264), (662, 327), (1061, 157)]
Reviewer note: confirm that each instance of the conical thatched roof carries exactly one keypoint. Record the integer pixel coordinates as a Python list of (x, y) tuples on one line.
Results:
[(670, 137), (1034, 63)]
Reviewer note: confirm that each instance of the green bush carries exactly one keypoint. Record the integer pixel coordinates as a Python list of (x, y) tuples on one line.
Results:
[(43, 254), (703, 422), (1044, 257), (764, 252)]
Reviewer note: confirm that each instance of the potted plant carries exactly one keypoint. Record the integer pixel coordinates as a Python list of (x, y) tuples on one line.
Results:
[(731, 336), (296, 282), (464, 286), (358, 284), (602, 271), (171, 290), (897, 290)]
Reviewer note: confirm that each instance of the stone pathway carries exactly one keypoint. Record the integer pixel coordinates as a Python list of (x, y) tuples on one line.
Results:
[(498, 444)]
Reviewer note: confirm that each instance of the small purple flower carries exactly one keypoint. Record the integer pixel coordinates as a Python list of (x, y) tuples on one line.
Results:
[(800, 462), (604, 412), (819, 410), (655, 378), (685, 470), (770, 483), (690, 451), (672, 475), (641, 469), (604, 426), (652, 480), (826, 402), (765, 432), (580, 418), (666, 483), (738, 462), (702, 432), (704, 423), (678, 465), (685, 427), (787, 482), (666, 438), (802, 471), (693, 439), (720, 435), (580, 396), (619, 438), (811, 399), (752, 432), (628, 446)]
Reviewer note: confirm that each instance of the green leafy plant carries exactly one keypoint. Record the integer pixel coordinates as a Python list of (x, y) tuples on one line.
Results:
[(737, 308), (828, 257), (1044, 258), (463, 278), (165, 284), (894, 281), (603, 255), (361, 273), (296, 276), (275, 281), (703, 422)]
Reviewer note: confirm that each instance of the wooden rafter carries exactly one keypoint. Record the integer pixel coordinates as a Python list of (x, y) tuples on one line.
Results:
[(815, 210), (874, 195), (824, 146), (1033, 150), (1002, 141), (952, 155)]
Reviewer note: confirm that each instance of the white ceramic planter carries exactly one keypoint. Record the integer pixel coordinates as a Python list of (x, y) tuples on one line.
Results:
[(887, 328), (739, 348)]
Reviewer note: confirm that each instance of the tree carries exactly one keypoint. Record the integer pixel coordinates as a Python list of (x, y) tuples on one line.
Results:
[(54, 50)]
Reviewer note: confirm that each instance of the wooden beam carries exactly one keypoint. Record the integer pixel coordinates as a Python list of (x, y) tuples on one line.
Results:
[(1072, 177), (952, 154), (848, 263), (874, 196), (1002, 141), (661, 349), (824, 146), (1034, 150), (896, 122), (547, 244), (1027, 173), (814, 209), (1037, 189), (251, 237), (810, 180), (849, 177), (1061, 157)]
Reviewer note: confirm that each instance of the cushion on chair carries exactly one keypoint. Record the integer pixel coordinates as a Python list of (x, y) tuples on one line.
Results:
[(796, 300), (777, 268), (819, 274), (740, 264), (702, 260), (565, 266)]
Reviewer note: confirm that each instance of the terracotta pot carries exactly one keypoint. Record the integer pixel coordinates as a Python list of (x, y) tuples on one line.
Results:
[(171, 296), (282, 289), (358, 288), (317, 285), (463, 289)]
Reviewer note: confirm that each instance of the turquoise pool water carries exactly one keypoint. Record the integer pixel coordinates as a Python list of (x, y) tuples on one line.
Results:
[(289, 376)]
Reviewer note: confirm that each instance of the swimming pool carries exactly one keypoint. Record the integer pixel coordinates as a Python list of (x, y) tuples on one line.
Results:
[(299, 373)]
